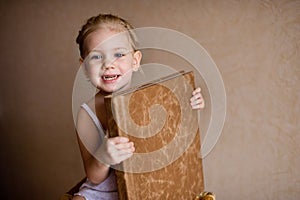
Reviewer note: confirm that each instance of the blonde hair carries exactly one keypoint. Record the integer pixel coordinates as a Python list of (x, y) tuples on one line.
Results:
[(109, 21)]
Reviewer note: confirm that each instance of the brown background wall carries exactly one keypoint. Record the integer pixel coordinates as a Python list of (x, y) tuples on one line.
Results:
[(254, 43)]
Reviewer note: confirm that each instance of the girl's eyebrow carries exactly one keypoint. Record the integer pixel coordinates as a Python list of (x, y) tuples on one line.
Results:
[(113, 49), (120, 48)]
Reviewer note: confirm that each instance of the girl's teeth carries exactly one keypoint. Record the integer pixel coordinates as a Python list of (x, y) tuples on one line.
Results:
[(108, 78)]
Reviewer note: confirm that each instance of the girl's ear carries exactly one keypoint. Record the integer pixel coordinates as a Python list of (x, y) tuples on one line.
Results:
[(83, 67), (137, 57)]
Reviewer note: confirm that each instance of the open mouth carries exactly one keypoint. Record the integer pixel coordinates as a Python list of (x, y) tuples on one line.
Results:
[(110, 77)]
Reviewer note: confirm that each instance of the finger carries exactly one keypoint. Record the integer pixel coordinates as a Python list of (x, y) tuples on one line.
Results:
[(202, 105), (197, 101), (124, 146), (123, 157), (198, 104), (196, 96), (118, 139), (196, 107), (119, 157), (126, 151), (197, 90)]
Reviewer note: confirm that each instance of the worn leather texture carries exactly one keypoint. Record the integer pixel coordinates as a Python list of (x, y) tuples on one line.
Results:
[(182, 177)]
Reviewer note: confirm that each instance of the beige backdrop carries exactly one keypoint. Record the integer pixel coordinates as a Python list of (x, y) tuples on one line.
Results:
[(254, 43)]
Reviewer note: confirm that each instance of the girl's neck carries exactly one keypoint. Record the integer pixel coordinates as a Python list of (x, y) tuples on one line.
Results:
[(104, 93)]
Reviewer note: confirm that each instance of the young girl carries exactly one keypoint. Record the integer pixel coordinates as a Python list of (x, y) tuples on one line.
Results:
[(109, 67)]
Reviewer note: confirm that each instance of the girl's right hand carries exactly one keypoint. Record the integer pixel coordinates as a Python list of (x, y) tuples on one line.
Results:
[(115, 150)]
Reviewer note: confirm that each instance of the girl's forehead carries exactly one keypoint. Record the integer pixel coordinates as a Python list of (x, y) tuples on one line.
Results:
[(105, 40)]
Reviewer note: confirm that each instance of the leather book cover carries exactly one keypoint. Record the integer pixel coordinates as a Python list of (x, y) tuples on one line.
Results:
[(158, 118)]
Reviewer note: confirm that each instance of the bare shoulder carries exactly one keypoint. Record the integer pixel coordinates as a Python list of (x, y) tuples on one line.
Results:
[(87, 135), (86, 130), (96, 106), (82, 115)]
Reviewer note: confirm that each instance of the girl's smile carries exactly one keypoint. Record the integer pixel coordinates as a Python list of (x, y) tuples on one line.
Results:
[(110, 77)]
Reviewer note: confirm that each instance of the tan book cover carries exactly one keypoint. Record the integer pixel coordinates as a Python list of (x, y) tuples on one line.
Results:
[(158, 118)]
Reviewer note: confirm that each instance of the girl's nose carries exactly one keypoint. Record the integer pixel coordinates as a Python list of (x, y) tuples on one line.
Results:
[(108, 64)]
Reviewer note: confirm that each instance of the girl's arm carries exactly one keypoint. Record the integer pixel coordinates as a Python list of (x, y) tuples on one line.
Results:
[(95, 171), (110, 151)]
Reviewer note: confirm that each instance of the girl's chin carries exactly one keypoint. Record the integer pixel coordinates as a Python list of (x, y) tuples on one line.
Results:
[(106, 90), (110, 88)]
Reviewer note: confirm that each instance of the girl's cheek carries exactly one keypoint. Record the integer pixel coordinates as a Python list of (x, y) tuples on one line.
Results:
[(93, 70)]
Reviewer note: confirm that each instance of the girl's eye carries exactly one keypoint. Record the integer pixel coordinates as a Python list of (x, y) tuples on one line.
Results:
[(119, 55), (96, 57)]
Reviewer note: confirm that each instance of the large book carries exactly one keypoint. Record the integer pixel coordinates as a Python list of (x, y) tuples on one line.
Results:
[(158, 118)]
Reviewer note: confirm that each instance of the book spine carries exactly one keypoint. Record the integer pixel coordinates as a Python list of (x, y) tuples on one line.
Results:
[(113, 131), (111, 123)]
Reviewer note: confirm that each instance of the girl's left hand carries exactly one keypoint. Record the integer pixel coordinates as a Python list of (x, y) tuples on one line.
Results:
[(197, 101)]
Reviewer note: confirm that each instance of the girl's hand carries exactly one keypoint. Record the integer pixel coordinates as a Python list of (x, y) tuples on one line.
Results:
[(197, 101), (115, 150)]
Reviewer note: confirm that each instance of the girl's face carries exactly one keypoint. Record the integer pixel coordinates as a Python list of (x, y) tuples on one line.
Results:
[(110, 60)]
